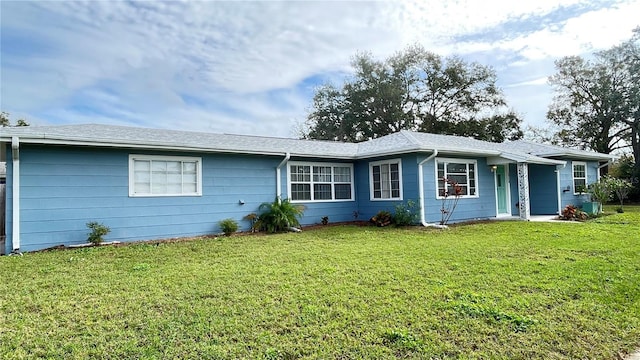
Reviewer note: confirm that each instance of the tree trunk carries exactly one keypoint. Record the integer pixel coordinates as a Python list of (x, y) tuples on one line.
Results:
[(635, 142)]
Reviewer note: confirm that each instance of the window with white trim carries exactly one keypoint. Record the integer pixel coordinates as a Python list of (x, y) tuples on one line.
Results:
[(579, 177), (320, 182), (153, 175), (461, 171), (386, 180)]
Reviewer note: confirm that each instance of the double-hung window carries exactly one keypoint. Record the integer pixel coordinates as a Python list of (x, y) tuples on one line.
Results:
[(151, 175), (461, 175), (386, 179), (320, 182), (579, 177)]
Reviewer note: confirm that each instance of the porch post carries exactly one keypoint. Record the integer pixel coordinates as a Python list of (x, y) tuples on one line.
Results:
[(523, 190)]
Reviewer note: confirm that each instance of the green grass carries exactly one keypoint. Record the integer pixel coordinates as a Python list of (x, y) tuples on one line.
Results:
[(509, 290)]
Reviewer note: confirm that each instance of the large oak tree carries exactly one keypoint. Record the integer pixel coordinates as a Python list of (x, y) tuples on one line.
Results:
[(597, 101), (413, 90)]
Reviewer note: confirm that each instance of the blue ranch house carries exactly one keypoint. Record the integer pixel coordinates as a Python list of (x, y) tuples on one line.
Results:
[(155, 184)]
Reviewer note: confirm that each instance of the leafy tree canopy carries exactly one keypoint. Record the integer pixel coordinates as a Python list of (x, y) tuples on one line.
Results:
[(597, 100), (412, 90)]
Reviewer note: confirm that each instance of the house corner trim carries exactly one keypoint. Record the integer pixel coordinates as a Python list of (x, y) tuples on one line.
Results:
[(15, 188), (523, 191)]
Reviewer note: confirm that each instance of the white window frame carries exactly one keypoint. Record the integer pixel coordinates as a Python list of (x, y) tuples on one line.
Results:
[(386, 162), (135, 157), (311, 182), (573, 175), (458, 161)]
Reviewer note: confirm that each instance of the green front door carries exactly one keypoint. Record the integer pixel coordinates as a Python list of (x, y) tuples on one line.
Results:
[(501, 190)]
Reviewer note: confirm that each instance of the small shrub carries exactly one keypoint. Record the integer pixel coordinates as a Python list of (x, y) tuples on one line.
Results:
[(572, 213), (228, 226), (600, 191), (581, 189), (406, 214), (98, 231), (280, 215), (449, 199), (325, 220), (382, 218), (252, 219), (619, 210)]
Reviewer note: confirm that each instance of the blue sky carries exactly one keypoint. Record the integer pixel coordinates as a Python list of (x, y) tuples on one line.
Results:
[(251, 67)]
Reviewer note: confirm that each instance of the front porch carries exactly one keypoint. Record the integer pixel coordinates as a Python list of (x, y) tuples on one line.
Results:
[(527, 189)]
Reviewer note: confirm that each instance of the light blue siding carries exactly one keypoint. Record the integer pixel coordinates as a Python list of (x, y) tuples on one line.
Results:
[(481, 207), (566, 183), (543, 191), (337, 211), (367, 207), (63, 188)]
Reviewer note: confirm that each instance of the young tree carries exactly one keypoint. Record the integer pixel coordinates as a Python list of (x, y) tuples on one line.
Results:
[(413, 90), (621, 188)]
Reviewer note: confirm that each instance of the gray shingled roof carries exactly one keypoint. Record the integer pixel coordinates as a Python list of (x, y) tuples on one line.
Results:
[(105, 135), (452, 145), (546, 150), (398, 143)]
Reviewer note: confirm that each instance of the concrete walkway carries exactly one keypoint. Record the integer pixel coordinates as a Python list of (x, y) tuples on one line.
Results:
[(546, 218), (634, 356), (540, 218)]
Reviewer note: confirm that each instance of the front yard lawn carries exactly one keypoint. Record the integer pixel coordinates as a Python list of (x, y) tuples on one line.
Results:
[(510, 290)]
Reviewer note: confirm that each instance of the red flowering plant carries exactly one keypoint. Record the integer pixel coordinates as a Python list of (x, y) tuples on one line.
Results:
[(450, 197)]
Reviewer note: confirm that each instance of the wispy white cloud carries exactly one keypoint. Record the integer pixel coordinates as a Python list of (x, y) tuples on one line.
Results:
[(249, 67)]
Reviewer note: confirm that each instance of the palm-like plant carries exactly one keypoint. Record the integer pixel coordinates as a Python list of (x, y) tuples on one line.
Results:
[(279, 215)]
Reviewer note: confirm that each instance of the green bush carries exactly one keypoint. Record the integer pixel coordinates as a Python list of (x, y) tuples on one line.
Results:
[(98, 230), (280, 215), (600, 191), (406, 214), (228, 226)]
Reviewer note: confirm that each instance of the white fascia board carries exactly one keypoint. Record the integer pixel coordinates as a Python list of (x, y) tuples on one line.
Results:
[(467, 152), (579, 155), (158, 146), (543, 161), (506, 158), (496, 160), (394, 152)]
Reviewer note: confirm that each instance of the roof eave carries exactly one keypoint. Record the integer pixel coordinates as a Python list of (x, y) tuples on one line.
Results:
[(141, 145), (161, 146), (580, 156)]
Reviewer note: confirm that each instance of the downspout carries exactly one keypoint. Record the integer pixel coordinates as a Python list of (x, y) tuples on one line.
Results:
[(15, 201), (608, 163), (559, 189), (423, 220), (287, 156)]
